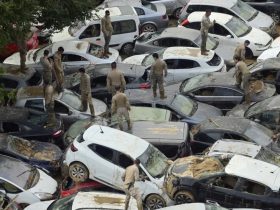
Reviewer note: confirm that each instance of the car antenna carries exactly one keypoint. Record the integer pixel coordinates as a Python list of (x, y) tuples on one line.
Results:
[(101, 131)]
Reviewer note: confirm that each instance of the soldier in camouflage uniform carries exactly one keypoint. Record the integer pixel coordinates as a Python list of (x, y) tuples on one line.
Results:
[(240, 50), (158, 71), (58, 69), (205, 25), (107, 30), (121, 106), (85, 88), (47, 69), (49, 105), (115, 78), (243, 75)]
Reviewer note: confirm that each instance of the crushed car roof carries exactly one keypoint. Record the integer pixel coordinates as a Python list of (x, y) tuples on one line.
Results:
[(13, 114), (268, 64), (185, 52), (197, 166), (255, 170), (180, 32)]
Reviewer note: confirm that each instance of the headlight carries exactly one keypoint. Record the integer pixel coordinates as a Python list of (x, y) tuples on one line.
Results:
[(264, 28), (44, 196)]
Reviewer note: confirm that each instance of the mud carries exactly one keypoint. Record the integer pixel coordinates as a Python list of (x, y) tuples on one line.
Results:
[(109, 200)]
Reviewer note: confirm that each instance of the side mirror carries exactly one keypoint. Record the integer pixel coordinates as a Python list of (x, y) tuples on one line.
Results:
[(191, 95), (228, 36), (70, 112), (257, 120)]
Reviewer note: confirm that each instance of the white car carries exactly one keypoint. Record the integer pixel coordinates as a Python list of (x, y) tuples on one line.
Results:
[(86, 200), (25, 183), (269, 53), (76, 54), (235, 8), (231, 147), (200, 206), (102, 154), (234, 28), (182, 62)]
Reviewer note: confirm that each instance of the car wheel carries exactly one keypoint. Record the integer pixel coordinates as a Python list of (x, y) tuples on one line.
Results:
[(127, 48), (177, 12), (275, 16), (184, 197), (155, 201), (149, 27), (78, 172)]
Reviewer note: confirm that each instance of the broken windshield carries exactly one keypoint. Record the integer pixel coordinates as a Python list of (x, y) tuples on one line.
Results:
[(268, 156), (154, 161)]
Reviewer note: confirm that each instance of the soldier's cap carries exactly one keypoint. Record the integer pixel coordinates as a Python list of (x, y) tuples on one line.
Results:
[(82, 70)]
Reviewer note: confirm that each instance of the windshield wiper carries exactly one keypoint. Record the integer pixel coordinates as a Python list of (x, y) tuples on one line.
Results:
[(253, 16)]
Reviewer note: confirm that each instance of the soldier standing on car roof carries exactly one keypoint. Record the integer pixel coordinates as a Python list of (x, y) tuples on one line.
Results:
[(49, 104), (121, 106), (85, 89), (107, 30), (158, 70), (58, 69), (242, 76), (205, 25), (115, 78), (47, 69), (240, 50), (129, 177)]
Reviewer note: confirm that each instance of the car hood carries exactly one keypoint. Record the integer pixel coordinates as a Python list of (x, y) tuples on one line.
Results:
[(261, 20), (269, 53), (135, 59), (46, 184), (225, 49), (276, 42), (257, 36), (61, 35), (15, 58), (40, 205), (204, 112), (238, 110)]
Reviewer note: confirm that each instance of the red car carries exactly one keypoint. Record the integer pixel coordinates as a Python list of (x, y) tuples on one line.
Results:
[(12, 48), (68, 187)]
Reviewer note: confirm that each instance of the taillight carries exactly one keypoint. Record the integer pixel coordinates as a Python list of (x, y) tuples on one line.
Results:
[(164, 17), (57, 134), (73, 148), (184, 22), (145, 85)]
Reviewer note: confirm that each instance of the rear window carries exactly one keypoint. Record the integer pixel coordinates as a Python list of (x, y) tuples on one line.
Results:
[(124, 26), (215, 61)]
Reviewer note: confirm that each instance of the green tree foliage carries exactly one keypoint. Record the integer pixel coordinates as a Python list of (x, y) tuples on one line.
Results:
[(17, 17)]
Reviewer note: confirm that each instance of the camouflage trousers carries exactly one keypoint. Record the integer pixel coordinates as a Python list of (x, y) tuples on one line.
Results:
[(157, 80), (203, 41), (87, 100), (135, 193), (51, 114)]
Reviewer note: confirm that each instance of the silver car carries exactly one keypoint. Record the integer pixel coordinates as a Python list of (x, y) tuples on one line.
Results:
[(67, 104), (173, 7), (180, 36)]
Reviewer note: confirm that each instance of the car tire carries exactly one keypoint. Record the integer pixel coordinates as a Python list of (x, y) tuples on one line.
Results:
[(127, 48), (176, 13), (78, 172), (148, 27), (155, 201), (184, 197), (276, 16)]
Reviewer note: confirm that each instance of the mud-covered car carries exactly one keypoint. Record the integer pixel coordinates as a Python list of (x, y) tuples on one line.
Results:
[(40, 154), (209, 131), (266, 112), (229, 148), (239, 182), (183, 108), (29, 124), (135, 76), (221, 91)]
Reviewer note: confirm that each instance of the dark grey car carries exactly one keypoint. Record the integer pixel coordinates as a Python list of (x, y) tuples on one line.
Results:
[(220, 90), (183, 108), (208, 132)]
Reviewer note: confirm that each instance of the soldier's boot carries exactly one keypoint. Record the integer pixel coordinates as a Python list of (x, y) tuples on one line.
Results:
[(121, 126), (129, 125), (105, 54), (162, 96), (91, 108), (155, 93), (126, 205)]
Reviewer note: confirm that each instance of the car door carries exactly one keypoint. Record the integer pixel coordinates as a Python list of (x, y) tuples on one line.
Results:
[(68, 115), (103, 168), (93, 34), (202, 140), (143, 17), (220, 189), (14, 192), (72, 62)]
